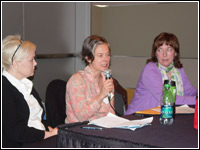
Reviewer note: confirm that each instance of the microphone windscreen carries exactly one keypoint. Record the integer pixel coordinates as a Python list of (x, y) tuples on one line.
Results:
[(107, 73)]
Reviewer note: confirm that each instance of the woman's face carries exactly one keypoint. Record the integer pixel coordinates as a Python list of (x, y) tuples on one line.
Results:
[(26, 67), (165, 55), (101, 60)]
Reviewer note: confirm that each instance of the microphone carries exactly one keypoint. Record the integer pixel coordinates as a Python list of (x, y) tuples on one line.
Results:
[(107, 74)]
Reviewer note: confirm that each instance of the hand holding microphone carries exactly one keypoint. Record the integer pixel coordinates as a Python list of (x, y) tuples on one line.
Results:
[(107, 74)]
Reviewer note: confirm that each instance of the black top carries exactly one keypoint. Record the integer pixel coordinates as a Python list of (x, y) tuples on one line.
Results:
[(15, 114)]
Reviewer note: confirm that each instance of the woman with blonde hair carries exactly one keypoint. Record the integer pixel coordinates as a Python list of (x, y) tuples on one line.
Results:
[(22, 110)]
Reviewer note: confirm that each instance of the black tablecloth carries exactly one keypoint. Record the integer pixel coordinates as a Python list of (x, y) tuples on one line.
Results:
[(181, 134)]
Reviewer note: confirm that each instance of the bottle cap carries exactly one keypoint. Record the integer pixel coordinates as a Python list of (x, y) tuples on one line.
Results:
[(166, 81), (173, 83)]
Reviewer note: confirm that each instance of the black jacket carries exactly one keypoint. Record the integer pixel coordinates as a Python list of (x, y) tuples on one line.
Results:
[(15, 114)]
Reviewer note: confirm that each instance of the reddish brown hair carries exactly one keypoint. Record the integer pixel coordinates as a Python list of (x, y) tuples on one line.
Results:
[(168, 39)]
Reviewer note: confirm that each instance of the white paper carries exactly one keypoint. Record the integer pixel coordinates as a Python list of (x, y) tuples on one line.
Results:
[(183, 109), (113, 121)]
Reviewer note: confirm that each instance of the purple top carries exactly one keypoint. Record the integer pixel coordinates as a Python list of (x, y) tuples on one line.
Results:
[(149, 90)]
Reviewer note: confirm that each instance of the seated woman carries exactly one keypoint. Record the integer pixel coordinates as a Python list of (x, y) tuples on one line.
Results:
[(87, 90), (164, 64), (22, 110)]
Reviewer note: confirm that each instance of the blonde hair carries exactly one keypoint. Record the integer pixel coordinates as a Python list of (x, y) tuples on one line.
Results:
[(10, 45)]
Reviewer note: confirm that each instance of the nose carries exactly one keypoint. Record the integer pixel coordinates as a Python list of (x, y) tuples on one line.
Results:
[(164, 53), (35, 63)]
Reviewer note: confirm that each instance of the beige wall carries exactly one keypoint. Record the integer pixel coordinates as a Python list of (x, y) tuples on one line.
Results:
[(131, 29)]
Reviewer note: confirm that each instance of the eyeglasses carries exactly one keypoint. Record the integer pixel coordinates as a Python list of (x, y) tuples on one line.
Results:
[(16, 50)]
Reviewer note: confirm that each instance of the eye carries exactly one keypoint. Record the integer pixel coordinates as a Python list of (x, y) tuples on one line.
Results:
[(108, 54), (159, 50), (99, 55), (32, 59), (169, 49)]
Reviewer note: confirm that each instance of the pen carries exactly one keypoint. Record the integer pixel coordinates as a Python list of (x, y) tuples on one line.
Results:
[(142, 115), (92, 128)]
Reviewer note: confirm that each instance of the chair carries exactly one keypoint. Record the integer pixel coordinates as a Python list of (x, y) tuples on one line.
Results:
[(120, 98), (130, 94), (55, 103), (119, 104)]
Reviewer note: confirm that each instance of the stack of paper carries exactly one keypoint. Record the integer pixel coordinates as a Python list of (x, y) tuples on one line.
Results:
[(184, 109), (113, 121)]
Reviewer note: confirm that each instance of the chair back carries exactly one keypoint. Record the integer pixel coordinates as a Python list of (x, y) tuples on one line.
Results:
[(120, 98), (119, 104), (55, 102)]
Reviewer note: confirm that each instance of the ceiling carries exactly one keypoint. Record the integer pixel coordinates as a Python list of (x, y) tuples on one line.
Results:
[(122, 3)]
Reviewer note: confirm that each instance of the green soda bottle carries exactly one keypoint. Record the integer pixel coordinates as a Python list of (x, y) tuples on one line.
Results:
[(166, 115), (173, 91)]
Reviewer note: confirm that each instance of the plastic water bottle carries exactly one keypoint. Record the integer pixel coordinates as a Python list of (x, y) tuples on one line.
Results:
[(166, 114)]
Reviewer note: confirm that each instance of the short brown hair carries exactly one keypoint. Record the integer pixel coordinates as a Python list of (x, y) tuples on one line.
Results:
[(89, 46)]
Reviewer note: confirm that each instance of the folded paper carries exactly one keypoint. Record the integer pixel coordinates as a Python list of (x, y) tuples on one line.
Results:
[(113, 121)]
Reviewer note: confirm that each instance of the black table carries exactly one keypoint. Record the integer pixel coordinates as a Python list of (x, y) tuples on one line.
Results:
[(181, 134)]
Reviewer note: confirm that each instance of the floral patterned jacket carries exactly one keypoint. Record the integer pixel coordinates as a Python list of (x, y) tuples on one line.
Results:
[(81, 102)]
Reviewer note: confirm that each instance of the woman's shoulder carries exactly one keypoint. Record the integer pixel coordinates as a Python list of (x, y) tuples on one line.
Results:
[(76, 78), (6, 85), (9, 91), (150, 70), (151, 66), (85, 74), (181, 70), (4, 80)]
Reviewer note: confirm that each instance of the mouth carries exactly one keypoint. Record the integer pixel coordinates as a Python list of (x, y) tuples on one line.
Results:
[(165, 60), (104, 65)]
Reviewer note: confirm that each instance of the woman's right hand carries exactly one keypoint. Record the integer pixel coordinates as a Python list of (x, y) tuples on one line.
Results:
[(108, 87), (51, 132)]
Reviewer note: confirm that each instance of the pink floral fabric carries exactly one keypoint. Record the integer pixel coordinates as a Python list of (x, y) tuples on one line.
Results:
[(81, 102)]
